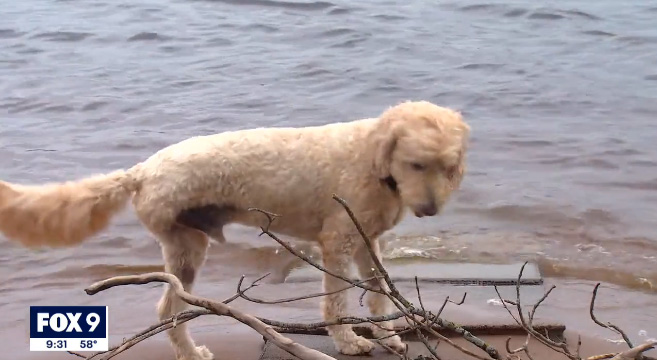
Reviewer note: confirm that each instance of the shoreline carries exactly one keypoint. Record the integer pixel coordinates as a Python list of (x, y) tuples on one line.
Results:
[(568, 304), (248, 345)]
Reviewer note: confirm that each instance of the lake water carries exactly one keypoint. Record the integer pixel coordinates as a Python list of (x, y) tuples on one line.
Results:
[(562, 99)]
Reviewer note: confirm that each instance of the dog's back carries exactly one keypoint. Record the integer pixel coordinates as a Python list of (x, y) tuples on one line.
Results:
[(208, 181)]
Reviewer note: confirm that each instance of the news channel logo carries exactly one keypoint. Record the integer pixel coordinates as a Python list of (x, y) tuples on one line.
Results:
[(68, 328)]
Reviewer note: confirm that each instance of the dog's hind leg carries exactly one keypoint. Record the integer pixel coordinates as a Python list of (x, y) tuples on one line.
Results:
[(379, 304), (184, 251)]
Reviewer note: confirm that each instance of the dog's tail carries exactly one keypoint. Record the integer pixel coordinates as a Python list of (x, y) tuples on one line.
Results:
[(63, 214)]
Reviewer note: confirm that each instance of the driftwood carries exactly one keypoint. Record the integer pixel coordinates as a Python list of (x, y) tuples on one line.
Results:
[(420, 320)]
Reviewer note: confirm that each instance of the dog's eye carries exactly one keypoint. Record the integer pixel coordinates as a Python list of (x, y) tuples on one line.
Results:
[(418, 167)]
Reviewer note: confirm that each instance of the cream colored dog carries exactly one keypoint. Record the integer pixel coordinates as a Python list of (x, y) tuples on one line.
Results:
[(411, 156)]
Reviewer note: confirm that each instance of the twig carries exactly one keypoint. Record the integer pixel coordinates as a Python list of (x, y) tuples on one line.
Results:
[(455, 303), (398, 299), (265, 230), (296, 298), (635, 352), (459, 347), (527, 327), (351, 320), (561, 347), (216, 307), (361, 297), (504, 302), (538, 303), (393, 289), (425, 341), (166, 324), (524, 348), (400, 332), (418, 332), (419, 296), (629, 354), (404, 306), (270, 216), (383, 345), (608, 325)]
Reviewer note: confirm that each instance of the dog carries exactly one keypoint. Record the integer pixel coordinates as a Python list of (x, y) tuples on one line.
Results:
[(412, 156)]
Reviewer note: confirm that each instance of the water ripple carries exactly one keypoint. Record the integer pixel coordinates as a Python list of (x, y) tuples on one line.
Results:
[(546, 15), (581, 14), (10, 34), (638, 39), (94, 105), (598, 33), (480, 66), (62, 36), (516, 12), (149, 36), (390, 17), (312, 5), (540, 13)]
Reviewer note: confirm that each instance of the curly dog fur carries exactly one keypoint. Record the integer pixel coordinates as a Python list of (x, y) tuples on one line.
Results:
[(412, 156)]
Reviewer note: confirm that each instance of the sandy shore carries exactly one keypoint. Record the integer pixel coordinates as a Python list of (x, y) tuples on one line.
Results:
[(250, 346), (132, 309)]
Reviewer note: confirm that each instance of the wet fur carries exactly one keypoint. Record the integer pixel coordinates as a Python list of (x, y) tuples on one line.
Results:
[(187, 192)]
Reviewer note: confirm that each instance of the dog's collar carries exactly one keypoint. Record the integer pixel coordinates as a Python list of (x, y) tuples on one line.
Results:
[(391, 183)]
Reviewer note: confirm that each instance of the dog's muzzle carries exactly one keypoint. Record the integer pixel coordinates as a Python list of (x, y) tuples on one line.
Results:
[(426, 210)]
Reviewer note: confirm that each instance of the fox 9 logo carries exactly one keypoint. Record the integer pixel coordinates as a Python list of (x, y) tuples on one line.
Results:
[(68, 327)]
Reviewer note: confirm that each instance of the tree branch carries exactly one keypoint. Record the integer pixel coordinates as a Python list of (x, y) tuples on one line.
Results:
[(215, 307)]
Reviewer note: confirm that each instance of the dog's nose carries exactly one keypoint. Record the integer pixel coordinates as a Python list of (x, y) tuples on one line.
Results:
[(429, 209)]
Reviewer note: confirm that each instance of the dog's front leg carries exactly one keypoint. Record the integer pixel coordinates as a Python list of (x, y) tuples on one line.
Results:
[(336, 253), (379, 304)]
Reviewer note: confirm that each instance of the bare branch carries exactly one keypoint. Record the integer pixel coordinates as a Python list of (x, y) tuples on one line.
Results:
[(635, 352), (361, 297), (265, 230), (560, 347), (383, 345), (460, 348), (455, 303), (630, 354), (504, 302), (538, 303), (166, 324), (270, 216), (425, 341), (216, 307), (419, 296), (296, 298), (524, 348), (607, 325), (398, 299), (393, 289)]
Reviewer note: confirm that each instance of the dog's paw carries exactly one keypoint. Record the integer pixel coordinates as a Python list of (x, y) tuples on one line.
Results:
[(396, 344), (203, 353), (356, 345)]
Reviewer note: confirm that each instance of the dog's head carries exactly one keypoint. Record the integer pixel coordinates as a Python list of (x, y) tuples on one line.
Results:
[(422, 147)]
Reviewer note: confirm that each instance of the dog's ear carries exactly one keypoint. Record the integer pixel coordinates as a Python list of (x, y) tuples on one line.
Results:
[(457, 172), (455, 175), (384, 147)]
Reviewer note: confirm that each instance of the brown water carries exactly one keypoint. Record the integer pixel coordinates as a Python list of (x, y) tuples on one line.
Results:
[(562, 100)]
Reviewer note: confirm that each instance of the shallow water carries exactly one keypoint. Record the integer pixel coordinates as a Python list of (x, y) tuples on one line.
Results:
[(562, 100)]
